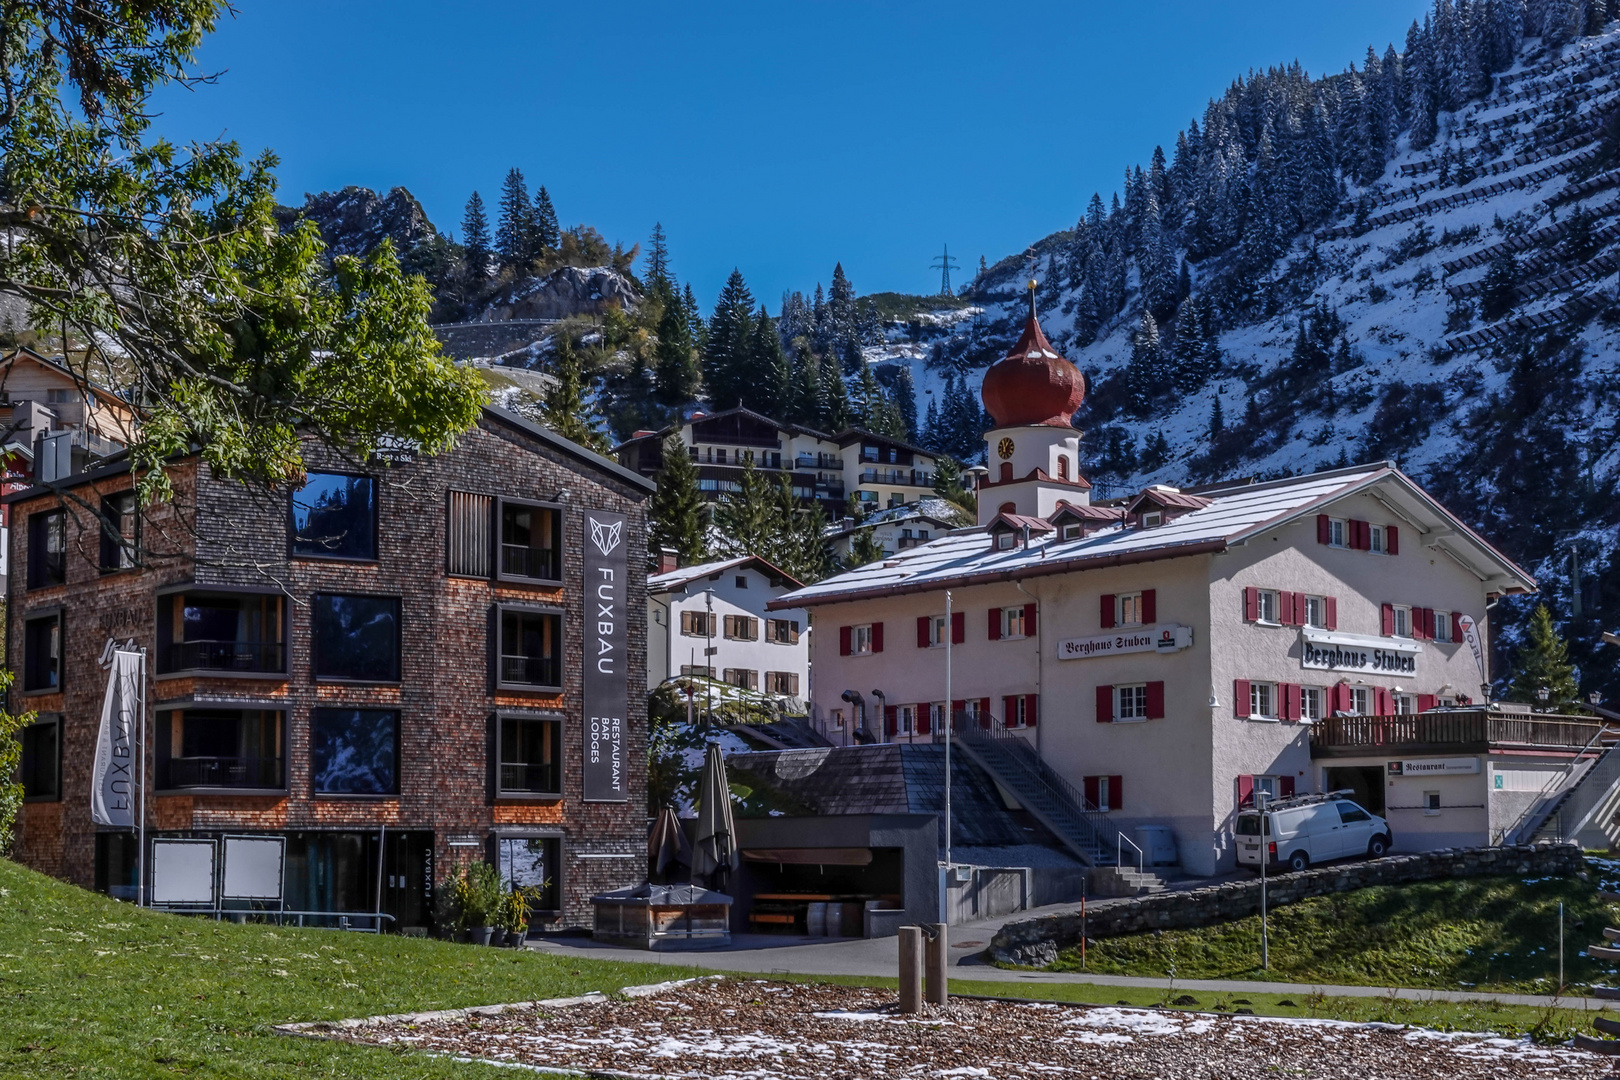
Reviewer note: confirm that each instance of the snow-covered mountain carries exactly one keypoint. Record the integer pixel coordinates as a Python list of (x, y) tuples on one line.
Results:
[(1302, 285)]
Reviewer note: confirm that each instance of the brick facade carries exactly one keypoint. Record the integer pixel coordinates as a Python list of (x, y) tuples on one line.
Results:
[(222, 535)]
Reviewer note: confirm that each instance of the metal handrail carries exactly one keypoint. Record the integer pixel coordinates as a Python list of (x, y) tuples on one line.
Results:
[(1119, 852), (280, 914), (1556, 781)]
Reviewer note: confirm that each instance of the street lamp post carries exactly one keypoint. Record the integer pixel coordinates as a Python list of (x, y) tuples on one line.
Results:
[(1260, 800)]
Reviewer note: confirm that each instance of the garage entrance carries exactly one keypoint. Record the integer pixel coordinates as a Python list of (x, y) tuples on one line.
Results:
[(1367, 781)]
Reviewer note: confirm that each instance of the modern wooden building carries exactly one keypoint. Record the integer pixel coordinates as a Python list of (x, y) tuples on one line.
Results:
[(404, 665)]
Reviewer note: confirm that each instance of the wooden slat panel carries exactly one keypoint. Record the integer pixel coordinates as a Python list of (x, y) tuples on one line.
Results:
[(469, 536)]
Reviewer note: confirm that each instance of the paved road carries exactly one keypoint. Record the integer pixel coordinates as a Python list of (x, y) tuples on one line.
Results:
[(773, 955)]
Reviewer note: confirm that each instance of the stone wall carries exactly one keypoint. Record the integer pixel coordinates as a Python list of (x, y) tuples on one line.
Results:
[(1036, 941)]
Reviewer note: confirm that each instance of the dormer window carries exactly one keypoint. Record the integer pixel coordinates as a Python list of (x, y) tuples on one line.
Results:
[(1071, 531), (1006, 541), (1152, 519)]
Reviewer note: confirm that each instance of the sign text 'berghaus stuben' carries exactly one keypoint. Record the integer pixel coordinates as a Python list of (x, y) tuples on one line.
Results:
[(606, 688)]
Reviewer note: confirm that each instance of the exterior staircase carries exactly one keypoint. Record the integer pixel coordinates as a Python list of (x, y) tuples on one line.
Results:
[(1124, 881), (788, 733), (1013, 763), (1570, 810)]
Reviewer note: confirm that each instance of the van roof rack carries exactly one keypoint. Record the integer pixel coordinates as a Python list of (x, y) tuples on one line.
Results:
[(1308, 800)]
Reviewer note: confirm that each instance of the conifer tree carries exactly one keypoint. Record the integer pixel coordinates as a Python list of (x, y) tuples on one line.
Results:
[(747, 521), (805, 405), (1144, 374), (514, 235), (843, 327), (547, 232), (1501, 280), (694, 317), (658, 277), (727, 379), (1543, 663), (929, 438), (770, 388), (1217, 418), (677, 515), (864, 549), (475, 238), (836, 414), (675, 368), (904, 396), (564, 410)]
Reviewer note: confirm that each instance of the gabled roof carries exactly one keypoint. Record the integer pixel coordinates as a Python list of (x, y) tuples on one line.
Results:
[(740, 410), (1018, 523), (588, 458), (855, 434), (675, 580), (101, 392), (1086, 512), (1232, 517), (1169, 498)]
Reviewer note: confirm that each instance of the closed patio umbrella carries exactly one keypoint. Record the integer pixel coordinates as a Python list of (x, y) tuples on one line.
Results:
[(715, 851), (667, 846)]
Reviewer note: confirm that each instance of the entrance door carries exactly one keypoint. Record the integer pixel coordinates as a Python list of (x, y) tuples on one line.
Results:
[(408, 878), (1366, 781)]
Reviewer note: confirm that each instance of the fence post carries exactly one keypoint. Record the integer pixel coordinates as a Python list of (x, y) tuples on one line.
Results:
[(938, 988), (910, 969)]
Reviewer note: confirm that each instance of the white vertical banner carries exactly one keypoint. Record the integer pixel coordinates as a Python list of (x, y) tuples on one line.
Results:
[(1470, 632), (112, 785)]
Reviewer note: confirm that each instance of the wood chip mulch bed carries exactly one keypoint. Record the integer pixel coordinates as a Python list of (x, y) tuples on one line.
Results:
[(730, 1029)]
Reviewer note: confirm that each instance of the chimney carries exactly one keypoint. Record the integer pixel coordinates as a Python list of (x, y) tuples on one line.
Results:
[(668, 560)]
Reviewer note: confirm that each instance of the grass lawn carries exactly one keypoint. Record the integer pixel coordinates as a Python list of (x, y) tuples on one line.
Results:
[(94, 988), (1465, 933)]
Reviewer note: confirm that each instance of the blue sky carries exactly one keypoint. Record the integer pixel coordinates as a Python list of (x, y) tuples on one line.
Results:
[(776, 138)]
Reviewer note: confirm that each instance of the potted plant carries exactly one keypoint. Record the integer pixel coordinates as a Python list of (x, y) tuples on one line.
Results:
[(475, 901), (515, 915)]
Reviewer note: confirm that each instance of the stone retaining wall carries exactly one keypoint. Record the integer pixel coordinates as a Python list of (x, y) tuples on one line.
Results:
[(1036, 942)]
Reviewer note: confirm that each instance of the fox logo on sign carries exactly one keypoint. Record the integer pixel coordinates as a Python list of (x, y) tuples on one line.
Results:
[(606, 537)]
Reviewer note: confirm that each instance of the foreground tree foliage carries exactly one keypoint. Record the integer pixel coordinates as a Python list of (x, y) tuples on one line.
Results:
[(231, 336)]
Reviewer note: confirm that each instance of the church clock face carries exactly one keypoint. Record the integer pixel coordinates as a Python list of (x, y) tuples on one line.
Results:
[(1005, 448)]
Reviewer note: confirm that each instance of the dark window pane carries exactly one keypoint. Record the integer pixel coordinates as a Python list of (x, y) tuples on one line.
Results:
[(47, 549), (221, 633), (529, 755), (354, 751), (42, 654), (532, 863), (220, 748), (335, 515), (529, 539), (41, 772), (118, 531), (531, 648), (356, 637)]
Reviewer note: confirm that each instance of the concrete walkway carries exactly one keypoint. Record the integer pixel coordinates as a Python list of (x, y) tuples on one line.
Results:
[(779, 955)]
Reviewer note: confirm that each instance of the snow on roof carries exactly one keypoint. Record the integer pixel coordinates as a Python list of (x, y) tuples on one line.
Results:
[(1231, 516), (674, 580)]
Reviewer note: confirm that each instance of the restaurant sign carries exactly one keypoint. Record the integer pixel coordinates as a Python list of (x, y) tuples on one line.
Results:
[(1164, 638), (1440, 766), (1327, 651)]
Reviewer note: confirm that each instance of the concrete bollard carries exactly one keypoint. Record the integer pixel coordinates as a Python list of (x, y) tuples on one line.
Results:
[(937, 966), (910, 969)]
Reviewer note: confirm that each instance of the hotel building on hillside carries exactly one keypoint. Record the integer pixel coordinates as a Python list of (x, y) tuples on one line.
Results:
[(1164, 659), (386, 669)]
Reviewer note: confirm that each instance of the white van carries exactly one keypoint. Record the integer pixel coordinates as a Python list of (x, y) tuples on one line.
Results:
[(1307, 829)]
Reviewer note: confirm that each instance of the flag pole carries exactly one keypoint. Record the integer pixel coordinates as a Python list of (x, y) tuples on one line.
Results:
[(140, 824), (950, 724)]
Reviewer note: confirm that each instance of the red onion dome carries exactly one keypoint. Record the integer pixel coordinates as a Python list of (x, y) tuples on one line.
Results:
[(1032, 384)]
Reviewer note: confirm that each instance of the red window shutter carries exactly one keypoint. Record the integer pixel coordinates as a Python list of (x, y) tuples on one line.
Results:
[(1392, 540), (891, 720), (984, 713), (1105, 705), (877, 637), (1240, 698), (1385, 701), (844, 635), (957, 709), (958, 627), (1293, 699), (1116, 793), (1108, 611), (924, 628), (1427, 702), (1330, 612), (1245, 791), (1251, 603), (1150, 606), (1093, 789), (1155, 700), (995, 624), (1428, 623), (1285, 608), (1324, 530), (1031, 709), (1285, 787), (1386, 619), (1299, 609), (1363, 536), (1009, 710), (1029, 620), (1341, 697)]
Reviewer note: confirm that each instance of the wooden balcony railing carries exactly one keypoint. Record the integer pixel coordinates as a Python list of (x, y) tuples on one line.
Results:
[(1476, 729)]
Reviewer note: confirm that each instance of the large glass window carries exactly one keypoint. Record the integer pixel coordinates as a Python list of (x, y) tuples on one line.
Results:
[(47, 549), (240, 632), (226, 748), (119, 538), (354, 751), (530, 649), (356, 637), (534, 863), (41, 771), (334, 515), (531, 542), (42, 653), (530, 756)]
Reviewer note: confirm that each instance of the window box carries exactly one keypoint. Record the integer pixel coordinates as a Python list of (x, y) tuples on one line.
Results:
[(221, 749), (223, 633), (356, 638), (528, 756), (334, 516), (42, 653), (529, 648), (531, 542), (354, 751)]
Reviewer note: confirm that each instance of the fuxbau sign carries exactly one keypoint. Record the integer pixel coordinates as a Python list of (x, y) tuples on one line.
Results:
[(607, 696), (1327, 651), (1164, 638)]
